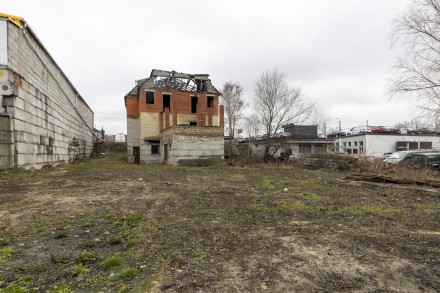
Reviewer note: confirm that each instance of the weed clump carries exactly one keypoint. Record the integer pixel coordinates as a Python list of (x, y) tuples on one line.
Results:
[(127, 274), (111, 262), (87, 257), (5, 253), (80, 271)]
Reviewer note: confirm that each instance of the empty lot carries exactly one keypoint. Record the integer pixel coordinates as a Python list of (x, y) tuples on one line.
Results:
[(105, 225)]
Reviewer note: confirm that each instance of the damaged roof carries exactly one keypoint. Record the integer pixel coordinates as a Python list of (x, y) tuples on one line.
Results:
[(177, 81)]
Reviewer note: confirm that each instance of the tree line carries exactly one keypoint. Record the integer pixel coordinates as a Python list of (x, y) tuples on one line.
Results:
[(275, 104)]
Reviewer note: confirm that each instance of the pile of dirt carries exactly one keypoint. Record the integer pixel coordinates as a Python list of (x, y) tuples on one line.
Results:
[(104, 148)]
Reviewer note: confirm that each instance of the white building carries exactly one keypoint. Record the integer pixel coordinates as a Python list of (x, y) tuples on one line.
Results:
[(376, 145)]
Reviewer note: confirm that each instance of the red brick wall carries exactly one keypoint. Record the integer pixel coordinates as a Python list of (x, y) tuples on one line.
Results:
[(182, 100), (132, 106)]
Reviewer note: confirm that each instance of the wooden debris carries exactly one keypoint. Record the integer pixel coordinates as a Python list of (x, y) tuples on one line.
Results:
[(389, 179)]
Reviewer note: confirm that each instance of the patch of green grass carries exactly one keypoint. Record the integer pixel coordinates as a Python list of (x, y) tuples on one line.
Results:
[(258, 207), (94, 280), (87, 257), (80, 271), (111, 262), (61, 288), (268, 184), (59, 259), (5, 253), (60, 235), (15, 288), (90, 243), (283, 206), (20, 174), (381, 210), (329, 189), (309, 195), (4, 242), (131, 243), (27, 279), (114, 239), (238, 177), (110, 216), (429, 209), (127, 274)]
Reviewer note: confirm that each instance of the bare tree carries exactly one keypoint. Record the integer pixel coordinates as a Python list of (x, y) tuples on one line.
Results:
[(417, 74), (251, 127), (234, 105), (277, 104)]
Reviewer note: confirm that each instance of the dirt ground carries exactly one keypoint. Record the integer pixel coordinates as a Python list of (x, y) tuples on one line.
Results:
[(103, 225)]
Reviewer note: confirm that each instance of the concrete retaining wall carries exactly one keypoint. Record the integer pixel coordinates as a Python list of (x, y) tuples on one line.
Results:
[(47, 111)]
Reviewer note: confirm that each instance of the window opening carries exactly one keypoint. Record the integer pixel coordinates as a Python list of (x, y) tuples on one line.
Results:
[(194, 100), (150, 97), (154, 149), (210, 102), (166, 101)]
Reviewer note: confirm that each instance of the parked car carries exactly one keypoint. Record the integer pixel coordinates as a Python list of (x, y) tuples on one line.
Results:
[(398, 157), (408, 131), (383, 157), (336, 134), (378, 129), (425, 160), (392, 130)]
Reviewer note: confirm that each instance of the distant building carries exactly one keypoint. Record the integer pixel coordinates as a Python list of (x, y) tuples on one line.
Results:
[(301, 131), (302, 139), (372, 144), (41, 112), (174, 118)]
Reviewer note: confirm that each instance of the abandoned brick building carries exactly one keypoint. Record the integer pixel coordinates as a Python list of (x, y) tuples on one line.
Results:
[(174, 118)]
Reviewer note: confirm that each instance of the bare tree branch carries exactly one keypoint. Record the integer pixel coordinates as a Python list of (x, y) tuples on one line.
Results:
[(417, 75), (277, 104)]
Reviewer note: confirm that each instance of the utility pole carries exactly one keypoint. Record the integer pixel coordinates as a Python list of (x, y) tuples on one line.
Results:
[(339, 124)]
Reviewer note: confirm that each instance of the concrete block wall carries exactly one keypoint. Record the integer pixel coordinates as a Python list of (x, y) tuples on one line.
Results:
[(48, 113), (147, 157), (6, 142), (193, 148), (132, 137)]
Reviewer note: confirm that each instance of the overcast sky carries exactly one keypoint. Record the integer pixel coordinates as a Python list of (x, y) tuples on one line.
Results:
[(337, 51)]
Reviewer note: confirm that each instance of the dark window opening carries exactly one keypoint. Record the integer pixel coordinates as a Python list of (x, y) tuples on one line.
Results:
[(426, 145), (150, 141), (166, 101), (210, 102), (413, 145), (194, 101), (193, 123), (150, 97), (155, 149)]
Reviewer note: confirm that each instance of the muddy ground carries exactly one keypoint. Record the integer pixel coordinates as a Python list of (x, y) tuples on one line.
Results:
[(103, 225)]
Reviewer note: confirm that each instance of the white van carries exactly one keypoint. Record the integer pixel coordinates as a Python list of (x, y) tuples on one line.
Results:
[(359, 130)]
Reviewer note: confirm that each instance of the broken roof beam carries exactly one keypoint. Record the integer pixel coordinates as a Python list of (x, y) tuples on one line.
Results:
[(165, 73)]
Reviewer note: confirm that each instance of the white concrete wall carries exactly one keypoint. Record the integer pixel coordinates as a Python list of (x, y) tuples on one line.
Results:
[(47, 111), (377, 144), (133, 133), (3, 42), (147, 157), (193, 148)]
